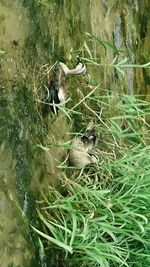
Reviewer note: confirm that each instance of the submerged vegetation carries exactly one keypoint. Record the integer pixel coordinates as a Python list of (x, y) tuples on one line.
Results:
[(100, 215)]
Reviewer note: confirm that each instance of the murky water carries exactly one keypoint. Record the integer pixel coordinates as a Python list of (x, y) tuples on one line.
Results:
[(34, 33)]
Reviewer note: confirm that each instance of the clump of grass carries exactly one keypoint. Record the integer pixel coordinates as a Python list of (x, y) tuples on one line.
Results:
[(96, 226), (101, 217)]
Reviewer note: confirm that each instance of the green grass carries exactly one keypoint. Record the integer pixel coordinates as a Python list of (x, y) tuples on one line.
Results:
[(100, 216)]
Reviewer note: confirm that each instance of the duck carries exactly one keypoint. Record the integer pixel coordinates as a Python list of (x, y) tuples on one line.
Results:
[(57, 89), (83, 148)]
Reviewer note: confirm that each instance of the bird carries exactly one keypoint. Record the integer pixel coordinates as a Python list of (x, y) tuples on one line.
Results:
[(83, 148), (57, 89)]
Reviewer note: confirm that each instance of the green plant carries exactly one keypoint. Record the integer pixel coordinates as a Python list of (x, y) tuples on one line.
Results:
[(101, 217), (120, 61), (2, 51)]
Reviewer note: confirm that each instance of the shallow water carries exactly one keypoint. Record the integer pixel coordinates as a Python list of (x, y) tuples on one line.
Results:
[(34, 33)]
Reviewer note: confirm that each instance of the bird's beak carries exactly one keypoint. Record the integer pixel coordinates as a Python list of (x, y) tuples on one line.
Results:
[(79, 70)]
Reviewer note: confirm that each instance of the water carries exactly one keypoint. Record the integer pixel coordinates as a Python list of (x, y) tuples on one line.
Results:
[(34, 33)]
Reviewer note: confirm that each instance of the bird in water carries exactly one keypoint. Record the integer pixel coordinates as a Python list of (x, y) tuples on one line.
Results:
[(83, 148), (57, 90)]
